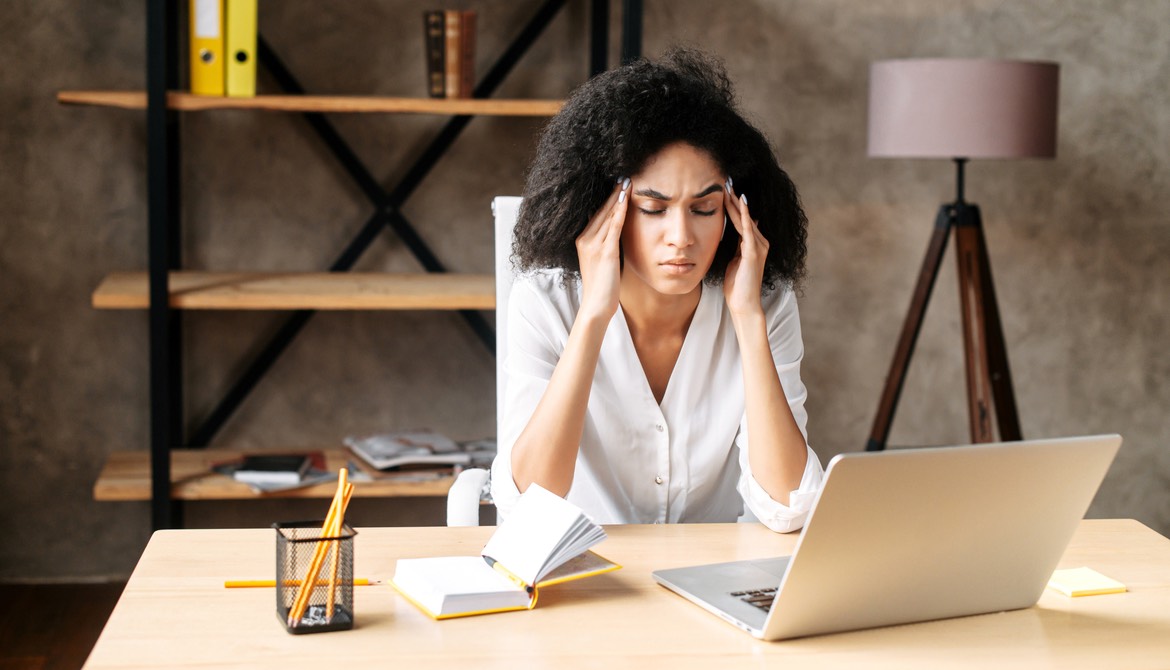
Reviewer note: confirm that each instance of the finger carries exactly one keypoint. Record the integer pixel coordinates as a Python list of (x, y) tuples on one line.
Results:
[(617, 217), (731, 208), (602, 215), (753, 239), (742, 207), (745, 214)]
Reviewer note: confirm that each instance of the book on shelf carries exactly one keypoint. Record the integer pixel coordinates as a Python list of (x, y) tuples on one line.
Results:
[(466, 54), (452, 59), (435, 41), (544, 541), (479, 454), (459, 53), (274, 472), (360, 471), (273, 468), (449, 52), (407, 449)]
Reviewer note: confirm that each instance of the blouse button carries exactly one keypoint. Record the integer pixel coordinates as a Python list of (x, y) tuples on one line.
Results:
[(658, 480), (659, 427)]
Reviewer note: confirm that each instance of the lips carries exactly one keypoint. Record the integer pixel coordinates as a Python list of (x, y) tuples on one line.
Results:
[(677, 265)]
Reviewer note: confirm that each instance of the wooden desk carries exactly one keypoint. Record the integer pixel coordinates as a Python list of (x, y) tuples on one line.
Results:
[(176, 613), (126, 476)]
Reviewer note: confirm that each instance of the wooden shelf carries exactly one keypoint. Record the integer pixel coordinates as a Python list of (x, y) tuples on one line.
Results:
[(318, 103), (126, 477), (315, 290)]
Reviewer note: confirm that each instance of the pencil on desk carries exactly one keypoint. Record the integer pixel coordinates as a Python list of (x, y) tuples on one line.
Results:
[(269, 583)]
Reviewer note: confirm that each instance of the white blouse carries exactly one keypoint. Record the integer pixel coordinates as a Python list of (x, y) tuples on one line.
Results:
[(682, 461)]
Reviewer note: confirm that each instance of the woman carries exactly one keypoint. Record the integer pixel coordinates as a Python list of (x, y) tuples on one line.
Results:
[(653, 368)]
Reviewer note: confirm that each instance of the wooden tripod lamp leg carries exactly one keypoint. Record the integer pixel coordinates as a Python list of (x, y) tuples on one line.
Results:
[(910, 328), (971, 293), (1006, 415)]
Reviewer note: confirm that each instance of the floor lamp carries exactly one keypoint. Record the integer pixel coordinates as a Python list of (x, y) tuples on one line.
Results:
[(961, 109)]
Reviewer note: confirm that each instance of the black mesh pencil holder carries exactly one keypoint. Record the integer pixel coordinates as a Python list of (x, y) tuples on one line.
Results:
[(326, 604)]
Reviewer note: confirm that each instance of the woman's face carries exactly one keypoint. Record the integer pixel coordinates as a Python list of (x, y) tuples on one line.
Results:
[(675, 220)]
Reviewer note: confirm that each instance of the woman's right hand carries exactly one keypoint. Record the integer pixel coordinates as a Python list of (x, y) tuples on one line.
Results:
[(599, 255), (546, 450)]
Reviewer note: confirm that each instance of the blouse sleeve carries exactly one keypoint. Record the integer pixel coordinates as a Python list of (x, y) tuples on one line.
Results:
[(787, 353), (536, 336)]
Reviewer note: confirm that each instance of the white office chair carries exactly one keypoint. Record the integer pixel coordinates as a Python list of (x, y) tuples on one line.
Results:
[(471, 487)]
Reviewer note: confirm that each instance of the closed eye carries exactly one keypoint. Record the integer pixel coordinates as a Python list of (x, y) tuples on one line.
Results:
[(652, 212), (702, 212)]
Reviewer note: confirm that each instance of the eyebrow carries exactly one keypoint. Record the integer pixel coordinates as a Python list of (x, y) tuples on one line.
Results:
[(651, 193)]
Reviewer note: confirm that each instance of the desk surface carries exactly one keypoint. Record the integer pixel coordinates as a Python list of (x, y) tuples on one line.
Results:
[(176, 613)]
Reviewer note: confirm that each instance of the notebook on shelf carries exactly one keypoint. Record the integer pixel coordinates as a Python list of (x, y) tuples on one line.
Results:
[(275, 472)]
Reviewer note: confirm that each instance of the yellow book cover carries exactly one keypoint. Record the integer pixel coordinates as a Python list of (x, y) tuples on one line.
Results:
[(240, 29), (206, 47), (544, 541)]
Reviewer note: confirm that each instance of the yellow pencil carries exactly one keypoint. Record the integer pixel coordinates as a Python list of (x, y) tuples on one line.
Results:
[(343, 476), (332, 527), (301, 602)]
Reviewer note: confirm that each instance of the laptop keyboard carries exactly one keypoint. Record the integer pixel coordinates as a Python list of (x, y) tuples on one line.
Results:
[(761, 598)]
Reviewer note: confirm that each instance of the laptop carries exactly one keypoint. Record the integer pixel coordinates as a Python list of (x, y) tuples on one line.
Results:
[(913, 535)]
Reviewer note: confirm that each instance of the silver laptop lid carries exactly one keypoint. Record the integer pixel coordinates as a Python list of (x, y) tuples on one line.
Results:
[(920, 534)]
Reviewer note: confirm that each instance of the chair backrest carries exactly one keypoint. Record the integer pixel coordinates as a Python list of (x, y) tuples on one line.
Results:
[(505, 209), (463, 500)]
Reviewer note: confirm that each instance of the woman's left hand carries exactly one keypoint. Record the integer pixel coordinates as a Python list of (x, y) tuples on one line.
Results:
[(745, 273)]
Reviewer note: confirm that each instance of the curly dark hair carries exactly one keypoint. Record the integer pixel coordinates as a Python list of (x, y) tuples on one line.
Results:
[(611, 125)]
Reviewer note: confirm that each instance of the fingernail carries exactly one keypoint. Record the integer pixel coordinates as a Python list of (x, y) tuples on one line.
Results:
[(625, 183), (730, 184), (622, 196), (620, 179), (743, 197)]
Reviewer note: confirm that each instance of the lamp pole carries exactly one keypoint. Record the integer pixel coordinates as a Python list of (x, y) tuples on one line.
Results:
[(960, 163)]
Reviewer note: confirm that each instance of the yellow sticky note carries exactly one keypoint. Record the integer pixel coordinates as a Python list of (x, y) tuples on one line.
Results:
[(1076, 582)]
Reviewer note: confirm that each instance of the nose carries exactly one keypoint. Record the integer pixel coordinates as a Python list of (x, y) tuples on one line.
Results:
[(677, 230)]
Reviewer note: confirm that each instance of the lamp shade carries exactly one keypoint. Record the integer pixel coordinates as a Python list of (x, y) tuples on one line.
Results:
[(962, 108)]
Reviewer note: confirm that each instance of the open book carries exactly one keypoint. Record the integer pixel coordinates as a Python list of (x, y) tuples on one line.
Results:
[(544, 541)]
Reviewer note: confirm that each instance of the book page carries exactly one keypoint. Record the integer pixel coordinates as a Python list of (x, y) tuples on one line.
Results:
[(543, 531), (578, 567)]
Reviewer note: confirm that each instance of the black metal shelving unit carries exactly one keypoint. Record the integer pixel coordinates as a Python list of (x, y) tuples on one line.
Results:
[(163, 213)]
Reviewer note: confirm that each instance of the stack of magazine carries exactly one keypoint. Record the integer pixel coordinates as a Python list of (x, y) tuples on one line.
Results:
[(417, 455)]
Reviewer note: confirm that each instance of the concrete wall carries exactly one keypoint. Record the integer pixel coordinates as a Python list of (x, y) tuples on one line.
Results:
[(1077, 244)]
